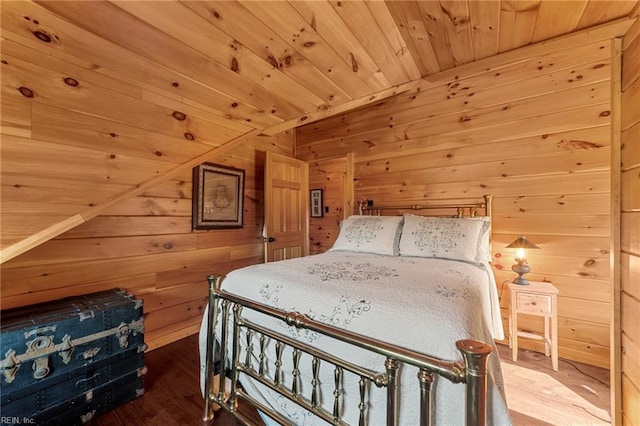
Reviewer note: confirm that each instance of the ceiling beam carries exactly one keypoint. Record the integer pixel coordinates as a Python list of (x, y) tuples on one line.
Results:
[(339, 109)]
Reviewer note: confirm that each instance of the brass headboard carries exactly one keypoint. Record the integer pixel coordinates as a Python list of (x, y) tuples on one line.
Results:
[(464, 209)]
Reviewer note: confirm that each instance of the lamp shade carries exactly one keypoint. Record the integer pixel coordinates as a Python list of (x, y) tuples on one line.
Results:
[(522, 243)]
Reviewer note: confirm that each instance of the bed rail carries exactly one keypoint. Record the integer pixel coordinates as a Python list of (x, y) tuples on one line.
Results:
[(471, 372)]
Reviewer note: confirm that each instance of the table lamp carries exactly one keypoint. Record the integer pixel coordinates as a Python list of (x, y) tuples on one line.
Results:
[(521, 267)]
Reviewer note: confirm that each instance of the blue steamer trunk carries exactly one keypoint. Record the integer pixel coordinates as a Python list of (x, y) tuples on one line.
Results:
[(66, 361)]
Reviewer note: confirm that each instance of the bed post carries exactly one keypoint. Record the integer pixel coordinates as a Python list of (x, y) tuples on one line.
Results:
[(475, 356), (425, 377), (214, 288), (393, 391), (488, 207), (237, 310), (488, 211)]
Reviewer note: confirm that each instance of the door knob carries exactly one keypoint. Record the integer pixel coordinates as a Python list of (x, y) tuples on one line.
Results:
[(271, 239)]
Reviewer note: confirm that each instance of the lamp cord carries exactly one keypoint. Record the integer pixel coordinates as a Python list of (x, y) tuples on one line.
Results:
[(501, 290), (602, 382)]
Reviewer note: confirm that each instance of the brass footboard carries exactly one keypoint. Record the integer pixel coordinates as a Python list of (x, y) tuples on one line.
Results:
[(472, 371)]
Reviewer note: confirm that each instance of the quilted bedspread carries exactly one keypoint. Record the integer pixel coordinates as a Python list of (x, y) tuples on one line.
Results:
[(422, 304)]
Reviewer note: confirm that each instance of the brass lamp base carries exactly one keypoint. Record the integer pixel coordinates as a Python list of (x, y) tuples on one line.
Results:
[(521, 268)]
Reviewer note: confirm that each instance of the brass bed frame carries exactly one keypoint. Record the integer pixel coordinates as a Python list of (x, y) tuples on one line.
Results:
[(471, 370)]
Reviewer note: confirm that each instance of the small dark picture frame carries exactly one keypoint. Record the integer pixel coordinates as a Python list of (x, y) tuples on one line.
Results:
[(218, 195), (317, 208)]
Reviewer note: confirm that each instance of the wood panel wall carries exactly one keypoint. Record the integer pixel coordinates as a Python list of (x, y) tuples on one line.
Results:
[(86, 121), (146, 246), (335, 178), (533, 129), (630, 227)]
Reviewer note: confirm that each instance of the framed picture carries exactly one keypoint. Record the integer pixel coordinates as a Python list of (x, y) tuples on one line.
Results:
[(317, 209), (218, 195)]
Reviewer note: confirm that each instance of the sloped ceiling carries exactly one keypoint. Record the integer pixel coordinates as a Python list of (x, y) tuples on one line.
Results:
[(101, 100)]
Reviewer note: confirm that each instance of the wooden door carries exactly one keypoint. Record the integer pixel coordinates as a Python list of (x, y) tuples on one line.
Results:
[(286, 194)]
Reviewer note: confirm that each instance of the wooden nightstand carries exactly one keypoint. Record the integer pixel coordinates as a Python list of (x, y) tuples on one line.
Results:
[(539, 299)]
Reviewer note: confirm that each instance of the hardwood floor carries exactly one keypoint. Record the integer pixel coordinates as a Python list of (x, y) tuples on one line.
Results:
[(172, 391), (577, 394)]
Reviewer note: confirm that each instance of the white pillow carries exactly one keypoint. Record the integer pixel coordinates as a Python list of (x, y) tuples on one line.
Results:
[(485, 243), (446, 238), (369, 234)]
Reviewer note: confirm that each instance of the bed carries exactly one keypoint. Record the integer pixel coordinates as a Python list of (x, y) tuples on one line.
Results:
[(394, 325)]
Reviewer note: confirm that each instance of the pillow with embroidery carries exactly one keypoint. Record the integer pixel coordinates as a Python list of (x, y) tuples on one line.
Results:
[(485, 238), (445, 238), (369, 234)]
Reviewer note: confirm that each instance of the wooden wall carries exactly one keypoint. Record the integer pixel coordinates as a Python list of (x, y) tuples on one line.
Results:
[(630, 226), (531, 127), (146, 246), (335, 178), (86, 121)]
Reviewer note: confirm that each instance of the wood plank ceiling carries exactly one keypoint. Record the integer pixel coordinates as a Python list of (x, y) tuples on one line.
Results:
[(208, 73)]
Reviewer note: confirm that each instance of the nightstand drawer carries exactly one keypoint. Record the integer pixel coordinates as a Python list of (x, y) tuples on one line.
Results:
[(533, 302)]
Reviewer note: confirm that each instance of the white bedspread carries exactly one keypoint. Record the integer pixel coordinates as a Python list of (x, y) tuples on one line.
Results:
[(421, 304)]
